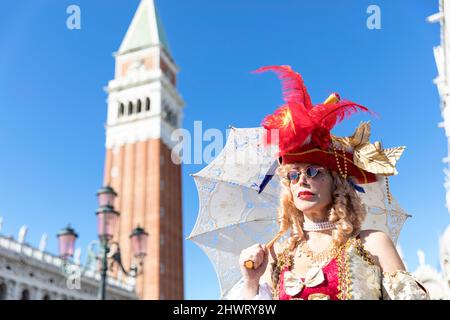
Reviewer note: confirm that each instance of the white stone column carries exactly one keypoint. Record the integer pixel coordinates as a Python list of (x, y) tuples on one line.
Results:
[(34, 293), (12, 288)]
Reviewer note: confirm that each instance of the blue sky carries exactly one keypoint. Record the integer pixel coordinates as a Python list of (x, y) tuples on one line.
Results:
[(53, 104)]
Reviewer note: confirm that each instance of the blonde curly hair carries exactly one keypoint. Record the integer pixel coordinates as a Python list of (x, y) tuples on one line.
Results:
[(347, 210)]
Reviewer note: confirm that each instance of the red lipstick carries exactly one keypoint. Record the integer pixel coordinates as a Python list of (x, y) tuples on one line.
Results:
[(305, 195)]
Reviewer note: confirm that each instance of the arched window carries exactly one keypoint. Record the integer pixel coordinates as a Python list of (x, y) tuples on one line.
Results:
[(130, 108), (147, 104), (139, 106), (170, 117), (121, 110), (174, 120), (25, 295), (3, 291)]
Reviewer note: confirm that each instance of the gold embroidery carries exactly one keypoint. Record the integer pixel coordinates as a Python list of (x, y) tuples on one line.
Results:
[(401, 285), (319, 258), (344, 280), (284, 259), (340, 276), (367, 257), (319, 296)]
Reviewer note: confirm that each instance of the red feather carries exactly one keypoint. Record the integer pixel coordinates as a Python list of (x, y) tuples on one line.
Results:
[(294, 90), (328, 116), (283, 129), (291, 125)]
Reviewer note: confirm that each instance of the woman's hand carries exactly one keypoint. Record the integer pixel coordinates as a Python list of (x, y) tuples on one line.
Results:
[(259, 255)]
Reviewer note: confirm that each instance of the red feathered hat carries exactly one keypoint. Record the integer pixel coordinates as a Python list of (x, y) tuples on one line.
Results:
[(302, 132)]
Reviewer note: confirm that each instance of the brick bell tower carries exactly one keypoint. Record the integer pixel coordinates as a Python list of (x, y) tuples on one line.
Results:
[(144, 108)]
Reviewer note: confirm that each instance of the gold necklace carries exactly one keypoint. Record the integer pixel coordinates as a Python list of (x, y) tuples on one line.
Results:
[(319, 257)]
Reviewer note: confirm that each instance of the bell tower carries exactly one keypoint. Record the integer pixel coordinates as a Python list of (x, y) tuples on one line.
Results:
[(144, 108)]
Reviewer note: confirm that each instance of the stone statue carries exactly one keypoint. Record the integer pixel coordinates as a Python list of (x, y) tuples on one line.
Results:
[(421, 256), (77, 256), (22, 234), (445, 255), (43, 242)]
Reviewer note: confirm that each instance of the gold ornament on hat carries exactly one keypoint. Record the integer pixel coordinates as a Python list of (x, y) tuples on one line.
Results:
[(371, 157), (368, 156)]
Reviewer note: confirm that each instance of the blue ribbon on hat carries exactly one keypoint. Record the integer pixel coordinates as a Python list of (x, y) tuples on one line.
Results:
[(269, 175), (355, 186)]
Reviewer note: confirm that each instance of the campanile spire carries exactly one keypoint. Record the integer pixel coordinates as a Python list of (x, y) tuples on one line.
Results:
[(144, 108)]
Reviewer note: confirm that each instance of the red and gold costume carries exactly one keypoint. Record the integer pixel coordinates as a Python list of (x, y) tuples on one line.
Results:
[(302, 132), (351, 275)]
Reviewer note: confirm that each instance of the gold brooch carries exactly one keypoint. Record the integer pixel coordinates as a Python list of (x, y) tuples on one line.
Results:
[(319, 296)]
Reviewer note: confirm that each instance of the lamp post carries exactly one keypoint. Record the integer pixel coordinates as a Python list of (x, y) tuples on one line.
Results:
[(66, 246), (66, 242), (106, 222)]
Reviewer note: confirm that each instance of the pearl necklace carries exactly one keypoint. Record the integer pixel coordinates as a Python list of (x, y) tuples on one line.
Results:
[(319, 226)]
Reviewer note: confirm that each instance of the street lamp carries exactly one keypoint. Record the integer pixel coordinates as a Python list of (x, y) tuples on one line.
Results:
[(139, 249), (106, 221), (106, 196), (139, 242), (66, 242)]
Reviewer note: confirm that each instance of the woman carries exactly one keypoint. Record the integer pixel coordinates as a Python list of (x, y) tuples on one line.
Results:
[(327, 255)]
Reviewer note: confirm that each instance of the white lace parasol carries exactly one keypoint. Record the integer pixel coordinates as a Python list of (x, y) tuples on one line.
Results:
[(233, 215)]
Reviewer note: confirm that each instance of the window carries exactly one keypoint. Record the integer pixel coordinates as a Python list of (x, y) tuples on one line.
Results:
[(139, 106), (130, 108), (3, 291), (121, 110), (147, 104), (170, 117), (25, 295)]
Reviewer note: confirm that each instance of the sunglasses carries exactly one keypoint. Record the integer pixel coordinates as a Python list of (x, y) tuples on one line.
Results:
[(311, 172)]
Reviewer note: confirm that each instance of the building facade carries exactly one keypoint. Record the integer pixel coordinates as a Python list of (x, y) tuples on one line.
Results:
[(438, 282), (144, 109), (30, 273)]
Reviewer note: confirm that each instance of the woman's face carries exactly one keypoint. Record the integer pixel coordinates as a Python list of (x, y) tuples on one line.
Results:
[(311, 194)]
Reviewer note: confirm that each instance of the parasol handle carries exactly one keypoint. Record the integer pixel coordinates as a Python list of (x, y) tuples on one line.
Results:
[(250, 264)]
